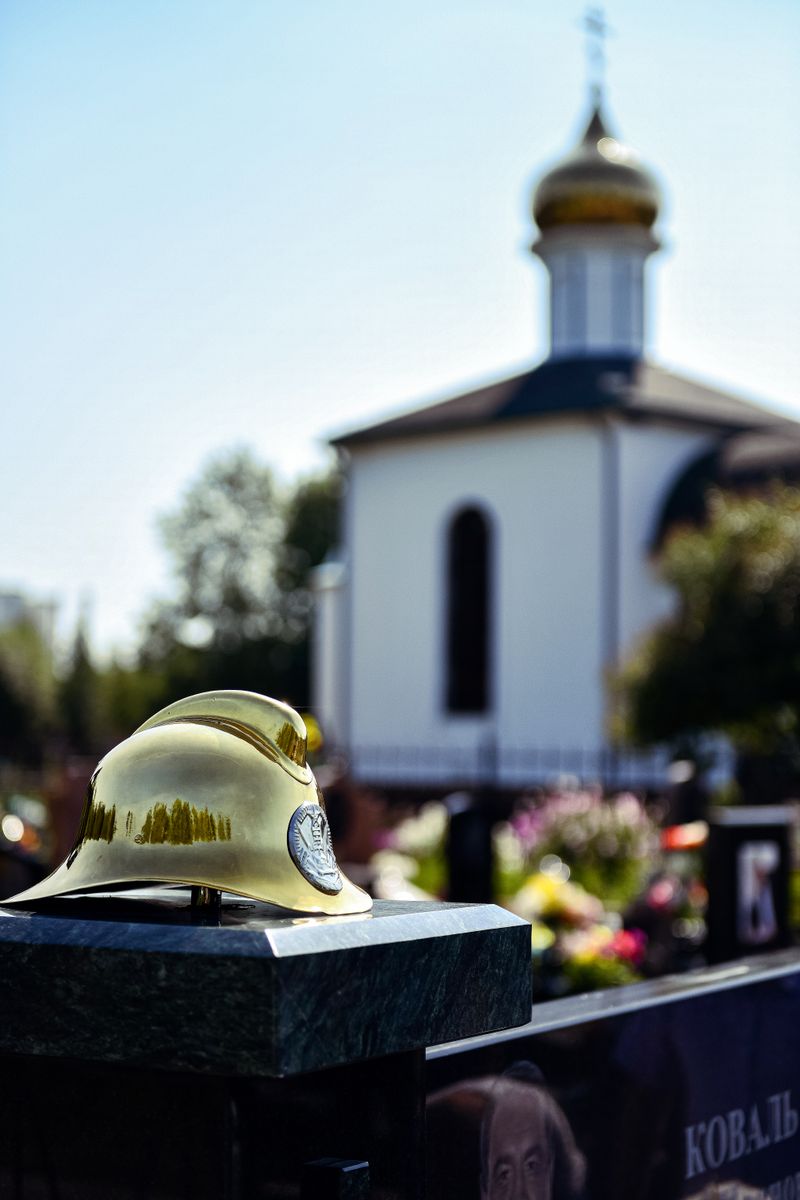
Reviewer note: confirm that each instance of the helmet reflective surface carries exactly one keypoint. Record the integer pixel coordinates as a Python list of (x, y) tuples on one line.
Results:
[(213, 791)]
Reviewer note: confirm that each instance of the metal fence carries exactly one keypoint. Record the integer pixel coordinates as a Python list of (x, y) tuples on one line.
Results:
[(517, 768)]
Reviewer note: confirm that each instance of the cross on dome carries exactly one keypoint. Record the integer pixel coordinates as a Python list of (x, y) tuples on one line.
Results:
[(597, 30)]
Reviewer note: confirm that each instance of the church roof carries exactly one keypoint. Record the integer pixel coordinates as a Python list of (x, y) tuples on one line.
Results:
[(741, 462), (634, 389)]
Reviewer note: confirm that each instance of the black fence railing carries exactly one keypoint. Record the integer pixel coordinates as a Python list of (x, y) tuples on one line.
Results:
[(488, 765)]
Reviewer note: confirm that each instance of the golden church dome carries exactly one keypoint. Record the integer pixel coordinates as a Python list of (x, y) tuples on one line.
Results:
[(601, 182)]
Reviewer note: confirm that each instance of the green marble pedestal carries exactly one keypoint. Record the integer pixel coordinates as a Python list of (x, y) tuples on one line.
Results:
[(147, 1056)]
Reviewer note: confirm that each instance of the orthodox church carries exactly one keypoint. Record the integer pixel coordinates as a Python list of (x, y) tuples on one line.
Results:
[(498, 547)]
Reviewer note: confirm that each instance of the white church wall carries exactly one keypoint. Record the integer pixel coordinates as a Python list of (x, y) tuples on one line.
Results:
[(540, 488), (328, 651), (650, 459), (392, 562), (550, 578)]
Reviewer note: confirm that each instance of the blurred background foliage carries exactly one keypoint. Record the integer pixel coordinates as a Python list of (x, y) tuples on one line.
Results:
[(240, 548), (27, 693), (728, 658)]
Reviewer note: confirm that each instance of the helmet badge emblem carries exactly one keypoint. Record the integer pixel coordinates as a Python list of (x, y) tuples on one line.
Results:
[(312, 850)]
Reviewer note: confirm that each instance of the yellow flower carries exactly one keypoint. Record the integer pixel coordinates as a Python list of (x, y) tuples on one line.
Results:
[(546, 896), (542, 937)]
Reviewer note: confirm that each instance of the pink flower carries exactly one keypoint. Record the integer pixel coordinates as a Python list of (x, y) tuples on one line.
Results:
[(661, 893), (629, 944)]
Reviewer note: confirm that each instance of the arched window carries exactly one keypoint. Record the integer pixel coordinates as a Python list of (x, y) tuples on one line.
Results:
[(468, 612)]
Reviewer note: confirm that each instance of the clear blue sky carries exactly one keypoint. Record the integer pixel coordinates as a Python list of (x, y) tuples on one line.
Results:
[(265, 221)]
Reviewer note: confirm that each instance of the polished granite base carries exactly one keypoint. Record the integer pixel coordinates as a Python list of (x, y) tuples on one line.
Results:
[(93, 1131), (649, 1080), (133, 978)]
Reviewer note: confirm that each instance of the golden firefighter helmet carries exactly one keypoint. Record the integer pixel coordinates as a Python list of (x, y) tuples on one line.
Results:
[(213, 791)]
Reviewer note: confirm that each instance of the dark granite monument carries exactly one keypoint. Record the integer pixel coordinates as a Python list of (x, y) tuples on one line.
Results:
[(149, 1054), (683, 1088)]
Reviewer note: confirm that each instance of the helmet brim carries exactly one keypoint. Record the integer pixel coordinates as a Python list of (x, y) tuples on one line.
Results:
[(61, 882)]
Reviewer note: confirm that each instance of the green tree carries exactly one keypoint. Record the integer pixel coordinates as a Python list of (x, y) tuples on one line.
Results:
[(78, 696), (241, 550), (728, 659), (311, 530), (222, 541), (27, 693), (127, 695)]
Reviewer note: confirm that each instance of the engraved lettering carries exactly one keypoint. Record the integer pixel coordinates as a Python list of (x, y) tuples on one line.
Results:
[(725, 1137), (774, 1105), (694, 1157), (716, 1142), (736, 1140), (756, 1138)]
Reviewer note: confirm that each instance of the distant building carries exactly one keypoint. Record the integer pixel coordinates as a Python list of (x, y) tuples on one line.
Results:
[(497, 546)]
